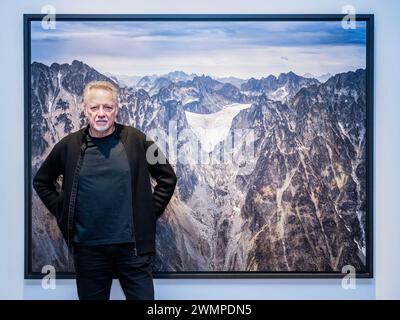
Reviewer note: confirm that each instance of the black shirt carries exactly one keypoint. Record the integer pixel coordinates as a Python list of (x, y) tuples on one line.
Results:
[(104, 213)]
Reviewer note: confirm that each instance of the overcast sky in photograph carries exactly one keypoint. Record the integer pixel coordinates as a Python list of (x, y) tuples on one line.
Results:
[(219, 49)]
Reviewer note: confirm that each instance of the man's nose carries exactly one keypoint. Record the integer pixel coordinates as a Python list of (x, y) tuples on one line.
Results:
[(101, 112)]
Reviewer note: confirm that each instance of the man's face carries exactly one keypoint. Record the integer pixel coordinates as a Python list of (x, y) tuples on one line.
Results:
[(100, 109)]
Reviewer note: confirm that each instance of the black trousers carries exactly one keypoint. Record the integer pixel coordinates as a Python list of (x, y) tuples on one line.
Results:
[(96, 266)]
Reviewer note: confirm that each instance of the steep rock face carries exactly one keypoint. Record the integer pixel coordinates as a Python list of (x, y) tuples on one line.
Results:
[(295, 202), (305, 205)]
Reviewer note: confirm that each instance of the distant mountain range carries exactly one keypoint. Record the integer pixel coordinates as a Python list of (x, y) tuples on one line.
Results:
[(300, 208), (322, 78)]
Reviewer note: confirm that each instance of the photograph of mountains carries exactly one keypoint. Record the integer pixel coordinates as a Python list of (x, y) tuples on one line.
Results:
[(264, 123)]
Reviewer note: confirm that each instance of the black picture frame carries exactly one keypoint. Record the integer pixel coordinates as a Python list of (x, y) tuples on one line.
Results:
[(368, 18)]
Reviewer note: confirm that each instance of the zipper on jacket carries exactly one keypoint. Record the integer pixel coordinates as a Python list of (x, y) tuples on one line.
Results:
[(133, 222), (72, 199)]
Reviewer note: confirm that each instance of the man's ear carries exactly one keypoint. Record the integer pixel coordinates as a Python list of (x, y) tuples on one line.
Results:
[(83, 106)]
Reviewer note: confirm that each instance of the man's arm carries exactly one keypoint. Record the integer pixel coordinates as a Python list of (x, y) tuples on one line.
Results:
[(163, 173), (44, 181)]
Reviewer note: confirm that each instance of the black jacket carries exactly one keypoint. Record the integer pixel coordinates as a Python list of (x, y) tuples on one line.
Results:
[(66, 159)]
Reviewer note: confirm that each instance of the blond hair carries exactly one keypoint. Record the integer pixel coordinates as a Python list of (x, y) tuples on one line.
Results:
[(105, 85)]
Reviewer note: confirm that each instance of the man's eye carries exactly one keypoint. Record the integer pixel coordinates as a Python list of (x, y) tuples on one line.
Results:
[(109, 108)]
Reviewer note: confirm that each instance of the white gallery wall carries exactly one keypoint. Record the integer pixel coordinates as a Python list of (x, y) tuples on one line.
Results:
[(386, 283)]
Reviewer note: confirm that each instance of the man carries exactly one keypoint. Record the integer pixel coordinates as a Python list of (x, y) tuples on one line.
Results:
[(106, 209)]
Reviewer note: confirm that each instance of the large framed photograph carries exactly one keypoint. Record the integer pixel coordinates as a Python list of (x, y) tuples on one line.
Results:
[(266, 119)]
